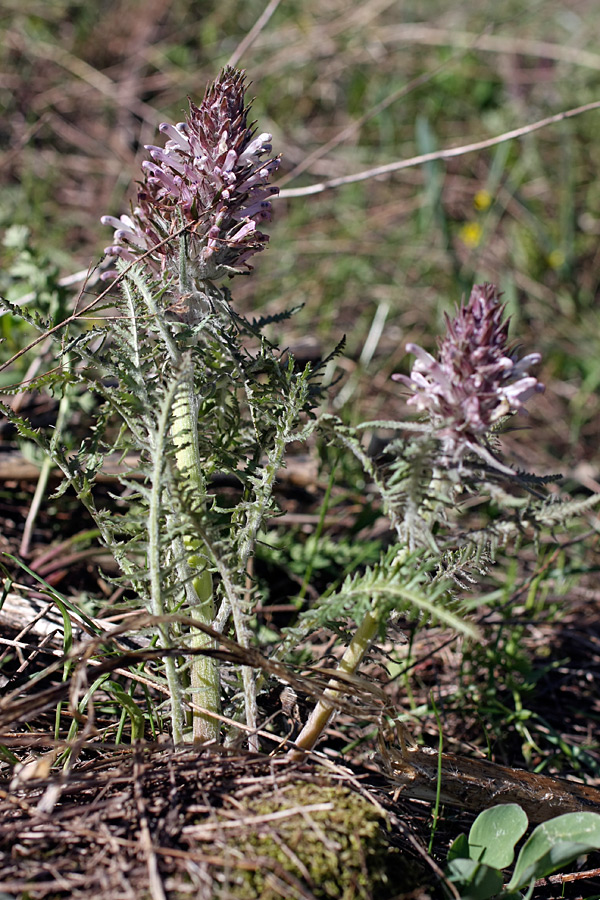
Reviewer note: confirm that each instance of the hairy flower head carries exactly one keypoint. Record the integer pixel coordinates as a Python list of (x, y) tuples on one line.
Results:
[(210, 178), (476, 379)]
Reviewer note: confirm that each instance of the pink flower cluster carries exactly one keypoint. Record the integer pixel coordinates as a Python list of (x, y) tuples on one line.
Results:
[(209, 178), (476, 379)]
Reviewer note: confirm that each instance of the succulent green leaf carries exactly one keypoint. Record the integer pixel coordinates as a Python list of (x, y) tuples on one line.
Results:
[(459, 848), (474, 880), (554, 844), (494, 834)]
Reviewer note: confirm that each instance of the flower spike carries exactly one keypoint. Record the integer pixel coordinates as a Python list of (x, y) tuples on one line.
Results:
[(210, 178), (476, 379)]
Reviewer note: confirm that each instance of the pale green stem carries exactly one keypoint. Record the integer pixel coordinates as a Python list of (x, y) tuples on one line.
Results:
[(154, 562), (204, 671), (154, 569), (246, 548), (350, 661)]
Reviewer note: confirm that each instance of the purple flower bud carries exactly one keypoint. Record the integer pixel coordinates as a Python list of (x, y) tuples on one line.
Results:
[(476, 379), (210, 177), (176, 134)]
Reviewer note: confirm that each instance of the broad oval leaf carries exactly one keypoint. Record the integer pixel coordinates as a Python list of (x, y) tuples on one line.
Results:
[(474, 880), (459, 848), (495, 832), (554, 844)]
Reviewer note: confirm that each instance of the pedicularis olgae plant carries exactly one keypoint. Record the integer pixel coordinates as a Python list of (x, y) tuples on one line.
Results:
[(190, 388)]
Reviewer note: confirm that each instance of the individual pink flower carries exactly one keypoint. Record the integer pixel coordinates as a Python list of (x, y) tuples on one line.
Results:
[(211, 177), (476, 379)]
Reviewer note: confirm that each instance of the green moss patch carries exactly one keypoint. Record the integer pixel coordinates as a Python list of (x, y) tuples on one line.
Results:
[(332, 841)]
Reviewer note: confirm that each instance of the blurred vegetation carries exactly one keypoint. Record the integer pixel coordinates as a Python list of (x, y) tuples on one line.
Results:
[(84, 87)]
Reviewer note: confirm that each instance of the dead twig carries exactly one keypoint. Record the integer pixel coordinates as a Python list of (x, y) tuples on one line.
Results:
[(477, 784)]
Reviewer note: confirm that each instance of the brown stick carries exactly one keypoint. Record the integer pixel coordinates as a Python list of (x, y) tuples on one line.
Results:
[(477, 784), (300, 472)]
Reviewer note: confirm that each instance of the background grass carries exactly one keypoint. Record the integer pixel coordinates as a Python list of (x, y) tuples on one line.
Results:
[(84, 87), (346, 86)]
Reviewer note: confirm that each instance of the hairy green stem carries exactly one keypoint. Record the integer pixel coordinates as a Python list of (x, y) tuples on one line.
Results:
[(154, 569), (355, 651), (204, 672), (350, 661), (247, 542)]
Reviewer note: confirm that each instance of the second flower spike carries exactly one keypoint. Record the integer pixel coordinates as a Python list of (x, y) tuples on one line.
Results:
[(476, 379)]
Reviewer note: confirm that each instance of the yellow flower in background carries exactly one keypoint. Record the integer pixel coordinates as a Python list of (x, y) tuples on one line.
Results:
[(556, 259), (482, 200), (470, 234)]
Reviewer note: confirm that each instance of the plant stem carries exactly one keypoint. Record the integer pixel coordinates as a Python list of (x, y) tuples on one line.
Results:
[(204, 677), (350, 661), (356, 649), (247, 539), (154, 568)]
